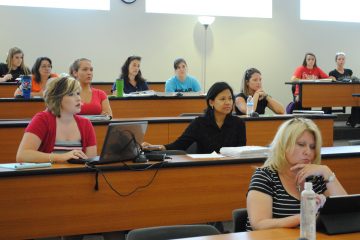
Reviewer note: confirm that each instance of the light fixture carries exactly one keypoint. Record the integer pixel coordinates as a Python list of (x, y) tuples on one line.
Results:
[(206, 21)]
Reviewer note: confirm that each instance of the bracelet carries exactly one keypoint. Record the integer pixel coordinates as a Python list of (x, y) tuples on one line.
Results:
[(50, 159)]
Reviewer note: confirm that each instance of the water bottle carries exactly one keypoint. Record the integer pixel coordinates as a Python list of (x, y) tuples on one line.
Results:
[(308, 213), (249, 106), (25, 86)]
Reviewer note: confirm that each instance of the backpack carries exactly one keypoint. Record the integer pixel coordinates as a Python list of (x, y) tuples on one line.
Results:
[(354, 117)]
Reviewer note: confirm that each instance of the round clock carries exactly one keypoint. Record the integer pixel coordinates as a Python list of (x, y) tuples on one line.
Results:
[(128, 1)]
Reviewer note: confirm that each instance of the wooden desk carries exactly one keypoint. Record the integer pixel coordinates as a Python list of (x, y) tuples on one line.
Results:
[(328, 94), (259, 131), (276, 234), (62, 200), (130, 107), (7, 89)]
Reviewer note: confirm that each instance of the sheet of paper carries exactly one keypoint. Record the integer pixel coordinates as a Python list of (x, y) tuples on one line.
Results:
[(209, 155)]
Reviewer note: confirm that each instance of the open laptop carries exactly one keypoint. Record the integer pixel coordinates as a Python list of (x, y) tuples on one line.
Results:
[(340, 214), (121, 143)]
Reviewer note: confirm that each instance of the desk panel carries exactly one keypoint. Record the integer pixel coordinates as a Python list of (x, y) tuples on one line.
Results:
[(197, 191), (259, 132), (7, 90)]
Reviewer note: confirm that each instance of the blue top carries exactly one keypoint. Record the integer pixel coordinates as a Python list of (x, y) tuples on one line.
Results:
[(190, 84), (128, 88)]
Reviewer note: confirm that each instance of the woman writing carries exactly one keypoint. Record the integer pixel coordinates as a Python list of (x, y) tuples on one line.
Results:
[(93, 101), (252, 86), (14, 66), (131, 74), (273, 199), (41, 73), (216, 128), (58, 128)]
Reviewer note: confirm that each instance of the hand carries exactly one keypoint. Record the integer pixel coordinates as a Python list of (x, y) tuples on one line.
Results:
[(305, 170), (7, 77), (74, 154), (149, 147), (320, 200)]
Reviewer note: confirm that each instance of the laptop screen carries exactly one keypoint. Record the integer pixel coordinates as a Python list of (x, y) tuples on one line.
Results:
[(122, 142)]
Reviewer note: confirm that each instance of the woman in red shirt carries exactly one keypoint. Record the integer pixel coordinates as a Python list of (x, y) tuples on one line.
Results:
[(58, 134)]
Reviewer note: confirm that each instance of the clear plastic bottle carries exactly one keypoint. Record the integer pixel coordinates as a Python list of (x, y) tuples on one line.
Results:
[(249, 106), (308, 213)]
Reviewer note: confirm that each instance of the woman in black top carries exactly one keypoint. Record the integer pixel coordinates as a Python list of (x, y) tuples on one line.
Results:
[(216, 128), (252, 86), (340, 73), (14, 66)]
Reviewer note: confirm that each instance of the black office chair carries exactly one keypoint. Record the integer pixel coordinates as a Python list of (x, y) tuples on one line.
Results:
[(239, 219), (171, 232)]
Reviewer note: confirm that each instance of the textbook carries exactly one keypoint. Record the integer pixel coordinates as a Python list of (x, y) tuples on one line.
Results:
[(18, 166)]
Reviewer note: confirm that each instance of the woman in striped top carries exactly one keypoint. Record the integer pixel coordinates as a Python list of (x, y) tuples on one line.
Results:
[(273, 199)]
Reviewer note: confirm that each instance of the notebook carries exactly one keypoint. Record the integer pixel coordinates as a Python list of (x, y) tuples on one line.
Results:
[(340, 214), (121, 143)]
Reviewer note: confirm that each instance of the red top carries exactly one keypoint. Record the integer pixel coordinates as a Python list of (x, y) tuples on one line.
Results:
[(306, 73), (43, 125), (94, 107)]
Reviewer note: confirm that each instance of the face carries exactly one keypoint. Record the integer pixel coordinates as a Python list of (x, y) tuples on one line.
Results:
[(340, 61), (223, 102), (254, 82), (85, 72), (45, 68), (134, 67), (304, 150), (181, 70), (310, 61), (71, 103), (17, 59)]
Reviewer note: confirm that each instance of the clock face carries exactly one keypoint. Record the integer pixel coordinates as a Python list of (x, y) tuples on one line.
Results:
[(128, 1)]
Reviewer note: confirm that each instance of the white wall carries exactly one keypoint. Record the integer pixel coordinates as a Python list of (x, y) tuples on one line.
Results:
[(275, 46)]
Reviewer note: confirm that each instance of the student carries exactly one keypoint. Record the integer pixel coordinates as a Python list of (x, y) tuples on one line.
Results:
[(340, 72), (131, 74), (57, 127), (273, 199), (307, 71), (93, 101), (41, 73), (182, 82), (252, 86), (14, 66), (216, 128)]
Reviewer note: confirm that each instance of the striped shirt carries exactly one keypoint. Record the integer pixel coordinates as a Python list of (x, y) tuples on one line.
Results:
[(267, 181)]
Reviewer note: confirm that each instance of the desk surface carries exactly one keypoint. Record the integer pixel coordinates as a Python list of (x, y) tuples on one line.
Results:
[(276, 234), (183, 191)]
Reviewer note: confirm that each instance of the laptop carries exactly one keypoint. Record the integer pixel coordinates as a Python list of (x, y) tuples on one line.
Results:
[(122, 142), (340, 214)]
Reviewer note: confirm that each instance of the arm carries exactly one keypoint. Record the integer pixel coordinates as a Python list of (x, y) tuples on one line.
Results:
[(322, 74), (6, 77), (105, 106), (91, 151), (17, 92), (28, 151), (274, 105), (259, 207), (40, 93), (240, 104)]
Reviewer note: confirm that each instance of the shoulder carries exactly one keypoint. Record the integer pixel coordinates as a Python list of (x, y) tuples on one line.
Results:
[(53, 75), (171, 80), (333, 72), (3, 67), (99, 92), (84, 122), (44, 115), (191, 78)]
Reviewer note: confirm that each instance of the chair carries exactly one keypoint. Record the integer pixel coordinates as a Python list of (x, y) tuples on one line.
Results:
[(171, 232), (239, 219)]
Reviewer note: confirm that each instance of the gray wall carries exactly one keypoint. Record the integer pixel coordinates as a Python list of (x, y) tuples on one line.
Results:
[(275, 46)]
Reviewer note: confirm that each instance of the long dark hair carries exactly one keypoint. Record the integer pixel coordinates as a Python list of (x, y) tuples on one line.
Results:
[(247, 75), (125, 70), (35, 69), (311, 54), (214, 90)]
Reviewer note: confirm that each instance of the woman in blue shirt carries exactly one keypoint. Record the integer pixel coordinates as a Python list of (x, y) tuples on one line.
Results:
[(131, 74)]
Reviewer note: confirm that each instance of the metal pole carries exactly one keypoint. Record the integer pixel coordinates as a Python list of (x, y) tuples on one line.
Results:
[(204, 61)]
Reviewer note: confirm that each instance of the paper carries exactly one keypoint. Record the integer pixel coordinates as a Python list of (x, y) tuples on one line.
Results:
[(209, 155), (18, 166), (245, 151)]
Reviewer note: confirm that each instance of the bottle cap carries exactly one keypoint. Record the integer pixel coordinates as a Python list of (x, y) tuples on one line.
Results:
[(308, 186)]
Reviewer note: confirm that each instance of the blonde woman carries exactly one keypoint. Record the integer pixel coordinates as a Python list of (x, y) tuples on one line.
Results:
[(273, 199), (58, 133), (14, 66)]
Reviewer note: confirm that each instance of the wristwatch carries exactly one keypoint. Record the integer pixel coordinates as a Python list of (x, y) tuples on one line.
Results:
[(331, 178)]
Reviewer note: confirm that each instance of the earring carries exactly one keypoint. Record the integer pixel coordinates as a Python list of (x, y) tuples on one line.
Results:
[(212, 107)]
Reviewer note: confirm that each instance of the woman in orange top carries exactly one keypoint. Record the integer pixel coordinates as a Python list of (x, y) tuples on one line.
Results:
[(41, 72)]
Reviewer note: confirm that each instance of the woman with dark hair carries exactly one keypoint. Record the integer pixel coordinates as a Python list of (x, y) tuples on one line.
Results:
[(131, 74), (252, 86), (14, 66), (41, 73), (307, 71), (217, 128)]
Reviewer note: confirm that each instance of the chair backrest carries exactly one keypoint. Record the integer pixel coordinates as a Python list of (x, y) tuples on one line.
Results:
[(239, 219), (171, 232)]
